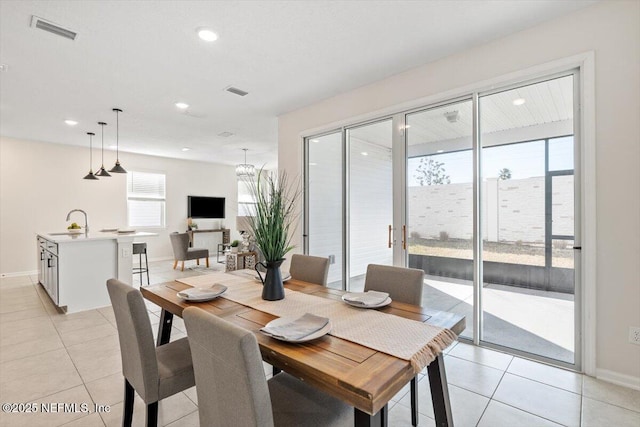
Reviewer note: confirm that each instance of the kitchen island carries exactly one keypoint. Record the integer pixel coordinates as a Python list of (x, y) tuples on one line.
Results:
[(74, 267)]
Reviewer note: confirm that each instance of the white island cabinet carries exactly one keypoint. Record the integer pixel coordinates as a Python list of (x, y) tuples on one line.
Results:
[(74, 268)]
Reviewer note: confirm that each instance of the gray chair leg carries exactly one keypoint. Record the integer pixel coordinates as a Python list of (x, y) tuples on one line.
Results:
[(127, 414), (275, 371)]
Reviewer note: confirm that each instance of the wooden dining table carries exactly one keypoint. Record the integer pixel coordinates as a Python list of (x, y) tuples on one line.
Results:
[(360, 376)]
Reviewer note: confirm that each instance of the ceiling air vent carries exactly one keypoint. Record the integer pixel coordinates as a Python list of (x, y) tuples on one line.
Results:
[(49, 26), (236, 91), (225, 134)]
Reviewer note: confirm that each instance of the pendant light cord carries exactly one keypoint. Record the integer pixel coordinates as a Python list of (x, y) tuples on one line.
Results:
[(102, 126), (117, 135), (117, 168)]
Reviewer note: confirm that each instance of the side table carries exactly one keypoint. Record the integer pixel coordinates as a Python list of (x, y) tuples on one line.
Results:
[(240, 260)]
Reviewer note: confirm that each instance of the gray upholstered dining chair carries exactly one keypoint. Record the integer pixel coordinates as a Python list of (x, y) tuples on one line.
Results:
[(154, 372), (232, 388), (182, 251), (403, 285), (308, 268)]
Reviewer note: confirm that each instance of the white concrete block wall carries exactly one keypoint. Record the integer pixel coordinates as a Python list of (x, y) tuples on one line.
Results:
[(441, 208), (521, 210), (513, 209)]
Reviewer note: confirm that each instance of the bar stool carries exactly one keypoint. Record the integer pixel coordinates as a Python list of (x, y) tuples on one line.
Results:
[(140, 249), (221, 250)]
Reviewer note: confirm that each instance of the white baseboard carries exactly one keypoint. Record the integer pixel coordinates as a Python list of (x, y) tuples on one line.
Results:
[(619, 379), (20, 273)]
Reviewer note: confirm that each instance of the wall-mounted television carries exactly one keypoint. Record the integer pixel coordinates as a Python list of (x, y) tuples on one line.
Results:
[(205, 207)]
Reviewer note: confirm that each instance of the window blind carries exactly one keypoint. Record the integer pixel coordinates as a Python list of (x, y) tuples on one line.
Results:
[(146, 196)]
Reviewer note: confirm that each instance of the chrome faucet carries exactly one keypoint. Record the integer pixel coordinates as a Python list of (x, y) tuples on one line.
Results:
[(86, 221)]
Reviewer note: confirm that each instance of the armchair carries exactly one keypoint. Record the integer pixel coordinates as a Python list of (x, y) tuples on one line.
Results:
[(182, 251)]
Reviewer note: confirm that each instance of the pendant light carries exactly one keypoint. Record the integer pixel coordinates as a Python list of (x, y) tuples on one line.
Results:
[(102, 171), (90, 175), (117, 168), (245, 170)]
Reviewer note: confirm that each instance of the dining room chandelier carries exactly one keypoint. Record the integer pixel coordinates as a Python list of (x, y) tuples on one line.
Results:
[(245, 170)]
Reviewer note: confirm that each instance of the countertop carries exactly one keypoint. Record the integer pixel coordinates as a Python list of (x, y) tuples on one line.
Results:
[(64, 237)]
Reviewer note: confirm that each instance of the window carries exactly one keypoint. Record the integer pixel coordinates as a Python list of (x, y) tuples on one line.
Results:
[(246, 200), (146, 196)]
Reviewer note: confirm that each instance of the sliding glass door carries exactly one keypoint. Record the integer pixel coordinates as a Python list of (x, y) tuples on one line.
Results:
[(324, 222), (527, 142), (440, 205), (370, 199), (479, 192), (349, 203)]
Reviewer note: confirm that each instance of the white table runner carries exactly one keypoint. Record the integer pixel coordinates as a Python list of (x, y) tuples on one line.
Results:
[(406, 339)]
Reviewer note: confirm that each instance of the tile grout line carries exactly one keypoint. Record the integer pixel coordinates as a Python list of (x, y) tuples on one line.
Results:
[(543, 383), (611, 404), (494, 391), (506, 370), (511, 406)]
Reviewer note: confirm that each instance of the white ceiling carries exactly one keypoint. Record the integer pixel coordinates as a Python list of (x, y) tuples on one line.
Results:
[(143, 56)]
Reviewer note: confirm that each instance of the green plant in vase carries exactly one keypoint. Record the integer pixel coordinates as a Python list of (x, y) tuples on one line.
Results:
[(273, 224)]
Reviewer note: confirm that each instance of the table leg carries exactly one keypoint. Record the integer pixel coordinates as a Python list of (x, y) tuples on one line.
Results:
[(164, 328), (362, 419), (440, 392)]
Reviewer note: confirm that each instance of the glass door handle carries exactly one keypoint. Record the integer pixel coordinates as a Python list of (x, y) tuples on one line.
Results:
[(404, 237), (389, 244)]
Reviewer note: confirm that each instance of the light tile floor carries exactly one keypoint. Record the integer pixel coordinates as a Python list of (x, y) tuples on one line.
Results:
[(47, 357)]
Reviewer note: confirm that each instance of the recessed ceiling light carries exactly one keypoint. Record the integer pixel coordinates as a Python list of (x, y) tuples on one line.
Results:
[(71, 122), (113, 146), (314, 140), (186, 149), (519, 101), (182, 105), (364, 153), (4, 67), (207, 35), (440, 151)]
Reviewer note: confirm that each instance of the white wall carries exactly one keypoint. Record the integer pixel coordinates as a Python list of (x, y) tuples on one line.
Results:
[(41, 182), (611, 29)]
